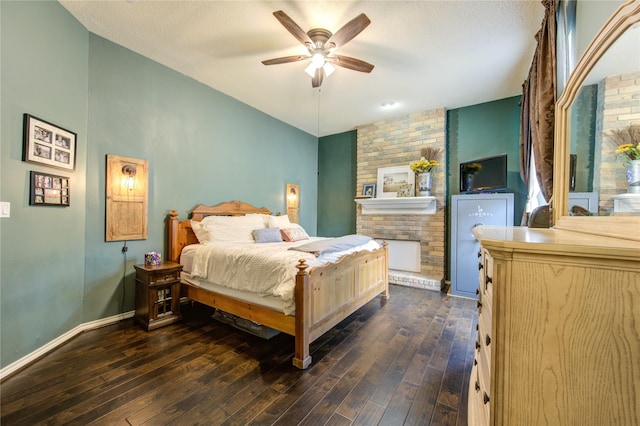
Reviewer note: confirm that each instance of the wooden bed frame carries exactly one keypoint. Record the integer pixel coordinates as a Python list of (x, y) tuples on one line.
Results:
[(324, 295)]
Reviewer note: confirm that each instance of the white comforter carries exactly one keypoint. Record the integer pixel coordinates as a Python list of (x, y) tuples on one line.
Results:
[(266, 269)]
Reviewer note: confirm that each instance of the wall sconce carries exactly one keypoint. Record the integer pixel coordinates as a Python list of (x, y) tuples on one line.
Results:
[(292, 196), (129, 172), (126, 198)]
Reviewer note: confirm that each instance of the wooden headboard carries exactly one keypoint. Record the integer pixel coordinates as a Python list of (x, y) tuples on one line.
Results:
[(181, 234)]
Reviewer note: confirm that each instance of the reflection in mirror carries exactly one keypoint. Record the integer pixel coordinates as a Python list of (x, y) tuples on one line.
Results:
[(608, 100)]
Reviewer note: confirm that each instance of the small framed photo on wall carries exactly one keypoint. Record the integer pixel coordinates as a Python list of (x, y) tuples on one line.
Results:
[(49, 190), (48, 144)]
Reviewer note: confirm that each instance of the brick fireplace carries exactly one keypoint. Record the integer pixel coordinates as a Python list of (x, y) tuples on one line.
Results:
[(397, 142)]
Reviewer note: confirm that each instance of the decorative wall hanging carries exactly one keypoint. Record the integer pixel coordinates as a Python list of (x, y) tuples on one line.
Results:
[(126, 198), (49, 190), (48, 144)]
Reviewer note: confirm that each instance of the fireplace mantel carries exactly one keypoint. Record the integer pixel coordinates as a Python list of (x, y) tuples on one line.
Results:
[(402, 205)]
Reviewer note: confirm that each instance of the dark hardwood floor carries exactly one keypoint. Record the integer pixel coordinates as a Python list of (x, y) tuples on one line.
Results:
[(406, 361)]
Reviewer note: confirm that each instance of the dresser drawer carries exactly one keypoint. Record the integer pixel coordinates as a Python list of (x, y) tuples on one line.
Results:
[(484, 339), (478, 414), (481, 274), (163, 278), (488, 267)]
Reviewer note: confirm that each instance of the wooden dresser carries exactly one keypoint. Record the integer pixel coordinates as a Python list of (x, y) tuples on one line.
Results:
[(558, 329)]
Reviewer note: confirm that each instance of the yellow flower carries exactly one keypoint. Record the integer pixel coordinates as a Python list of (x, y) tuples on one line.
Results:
[(627, 141), (423, 165), (631, 151), (472, 168)]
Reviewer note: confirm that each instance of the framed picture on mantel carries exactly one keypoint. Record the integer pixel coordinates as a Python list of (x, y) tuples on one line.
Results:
[(369, 190), (392, 179)]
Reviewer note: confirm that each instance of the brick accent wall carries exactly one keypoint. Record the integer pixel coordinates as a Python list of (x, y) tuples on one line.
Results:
[(397, 142), (618, 108)]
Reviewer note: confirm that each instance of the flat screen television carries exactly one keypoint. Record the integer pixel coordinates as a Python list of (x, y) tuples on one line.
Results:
[(487, 174)]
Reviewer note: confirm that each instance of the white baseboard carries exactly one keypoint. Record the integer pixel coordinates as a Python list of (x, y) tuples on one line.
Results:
[(43, 350)]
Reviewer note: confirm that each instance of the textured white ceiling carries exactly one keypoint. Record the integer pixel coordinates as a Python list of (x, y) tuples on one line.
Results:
[(427, 54)]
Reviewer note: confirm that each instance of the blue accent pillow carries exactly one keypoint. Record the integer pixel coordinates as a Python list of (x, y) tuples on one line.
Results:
[(267, 235)]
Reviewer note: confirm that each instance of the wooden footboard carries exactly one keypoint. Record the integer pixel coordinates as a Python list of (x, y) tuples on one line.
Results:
[(328, 294), (324, 295)]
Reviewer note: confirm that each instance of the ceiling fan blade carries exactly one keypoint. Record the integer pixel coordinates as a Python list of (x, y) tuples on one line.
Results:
[(349, 31), (292, 27), (285, 59), (351, 63), (316, 81)]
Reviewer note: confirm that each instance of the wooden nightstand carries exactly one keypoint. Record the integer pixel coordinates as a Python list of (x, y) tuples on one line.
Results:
[(157, 294)]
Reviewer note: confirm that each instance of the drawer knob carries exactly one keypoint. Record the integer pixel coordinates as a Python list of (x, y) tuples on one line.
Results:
[(475, 361), (485, 397), (479, 304), (477, 386), (487, 340), (477, 291), (480, 266), (479, 254), (478, 345), (489, 279)]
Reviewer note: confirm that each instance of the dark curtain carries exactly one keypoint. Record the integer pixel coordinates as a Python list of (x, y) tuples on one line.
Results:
[(538, 106)]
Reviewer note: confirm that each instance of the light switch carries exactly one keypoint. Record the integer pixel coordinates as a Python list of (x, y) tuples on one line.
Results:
[(5, 209)]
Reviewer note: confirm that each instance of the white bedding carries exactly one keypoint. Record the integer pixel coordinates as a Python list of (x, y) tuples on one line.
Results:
[(265, 269)]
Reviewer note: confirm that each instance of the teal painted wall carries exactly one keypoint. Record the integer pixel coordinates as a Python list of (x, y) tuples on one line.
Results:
[(337, 184), (484, 130), (43, 73), (202, 147)]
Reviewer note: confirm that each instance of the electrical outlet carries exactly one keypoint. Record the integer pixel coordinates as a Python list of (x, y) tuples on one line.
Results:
[(5, 209)]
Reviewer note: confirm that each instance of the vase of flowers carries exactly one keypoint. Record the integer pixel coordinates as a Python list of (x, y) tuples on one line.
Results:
[(423, 168), (633, 175), (468, 173), (628, 145)]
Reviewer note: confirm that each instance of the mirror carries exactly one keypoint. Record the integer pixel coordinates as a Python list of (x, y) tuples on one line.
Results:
[(602, 94)]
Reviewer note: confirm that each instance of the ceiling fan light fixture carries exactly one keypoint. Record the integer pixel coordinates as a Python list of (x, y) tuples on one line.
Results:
[(318, 60), (310, 69), (328, 69), (321, 44)]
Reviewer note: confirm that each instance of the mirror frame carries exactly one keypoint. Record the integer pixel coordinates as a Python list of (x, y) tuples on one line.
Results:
[(622, 226)]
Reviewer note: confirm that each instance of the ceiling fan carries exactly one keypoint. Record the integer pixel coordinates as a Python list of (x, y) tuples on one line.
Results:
[(321, 45)]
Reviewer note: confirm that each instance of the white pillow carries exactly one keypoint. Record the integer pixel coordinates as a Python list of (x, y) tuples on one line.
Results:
[(265, 218), (232, 228), (201, 233), (279, 221)]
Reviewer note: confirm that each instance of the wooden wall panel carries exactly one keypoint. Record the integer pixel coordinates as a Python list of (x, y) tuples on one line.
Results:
[(126, 207)]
